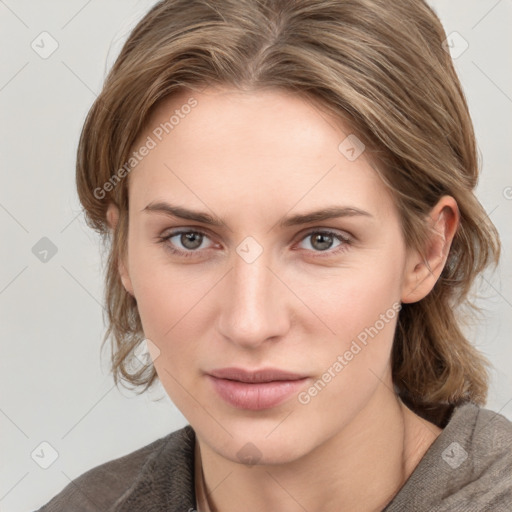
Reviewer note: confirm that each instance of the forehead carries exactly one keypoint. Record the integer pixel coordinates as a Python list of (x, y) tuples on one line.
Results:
[(264, 146), (265, 123)]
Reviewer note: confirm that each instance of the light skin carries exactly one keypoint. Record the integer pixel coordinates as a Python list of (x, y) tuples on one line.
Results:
[(253, 159)]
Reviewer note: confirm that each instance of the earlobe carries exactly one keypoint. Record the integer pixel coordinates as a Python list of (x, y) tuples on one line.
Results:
[(112, 216), (423, 271), (125, 278)]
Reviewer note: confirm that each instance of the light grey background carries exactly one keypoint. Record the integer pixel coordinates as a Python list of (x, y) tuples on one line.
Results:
[(55, 388)]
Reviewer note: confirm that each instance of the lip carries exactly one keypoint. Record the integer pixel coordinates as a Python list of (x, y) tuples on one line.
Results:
[(255, 390), (255, 376)]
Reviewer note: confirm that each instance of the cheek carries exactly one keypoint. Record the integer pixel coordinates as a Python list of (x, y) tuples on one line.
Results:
[(363, 341), (165, 302), (361, 310), (164, 291), (175, 307), (352, 363), (168, 305), (349, 299)]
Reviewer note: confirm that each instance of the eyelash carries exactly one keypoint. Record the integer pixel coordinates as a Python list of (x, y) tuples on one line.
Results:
[(321, 254)]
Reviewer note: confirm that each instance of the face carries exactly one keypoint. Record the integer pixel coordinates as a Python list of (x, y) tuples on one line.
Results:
[(263, 287)]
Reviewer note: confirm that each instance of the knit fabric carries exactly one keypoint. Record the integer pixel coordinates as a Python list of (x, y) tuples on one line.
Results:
[(468, 468)]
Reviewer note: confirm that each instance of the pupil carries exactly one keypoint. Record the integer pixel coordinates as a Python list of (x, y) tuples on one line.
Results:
[(320, 237), (187, 239)]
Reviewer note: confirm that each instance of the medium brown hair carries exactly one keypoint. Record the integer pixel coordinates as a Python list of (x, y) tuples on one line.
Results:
[(380, 66)]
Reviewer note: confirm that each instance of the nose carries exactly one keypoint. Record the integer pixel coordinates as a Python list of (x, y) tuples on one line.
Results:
[(255, 304)]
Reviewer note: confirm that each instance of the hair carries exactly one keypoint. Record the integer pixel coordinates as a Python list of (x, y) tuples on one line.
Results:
[(379, 66)]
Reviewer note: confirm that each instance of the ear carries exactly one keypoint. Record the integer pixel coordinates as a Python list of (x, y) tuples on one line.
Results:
[(422, 272), (112, 220)]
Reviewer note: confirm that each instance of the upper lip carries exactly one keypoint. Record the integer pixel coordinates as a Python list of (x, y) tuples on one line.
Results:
[(263, 375)]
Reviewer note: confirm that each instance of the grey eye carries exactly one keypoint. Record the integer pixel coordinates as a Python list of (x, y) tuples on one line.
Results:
[(191, 240), (321, 240)]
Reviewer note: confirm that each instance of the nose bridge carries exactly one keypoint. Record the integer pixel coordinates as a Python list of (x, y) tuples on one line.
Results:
[(254, 310)]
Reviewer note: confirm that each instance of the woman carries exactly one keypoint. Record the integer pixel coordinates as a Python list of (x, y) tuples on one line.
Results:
[(287, 191)]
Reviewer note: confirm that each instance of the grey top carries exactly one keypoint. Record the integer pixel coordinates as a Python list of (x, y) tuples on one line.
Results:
[(468, 468)]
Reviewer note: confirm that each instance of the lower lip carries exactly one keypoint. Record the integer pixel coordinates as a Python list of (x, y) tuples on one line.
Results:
[(258, 396)]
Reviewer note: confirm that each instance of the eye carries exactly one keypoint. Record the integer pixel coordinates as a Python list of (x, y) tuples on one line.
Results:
[(191, 241), (323, 240)]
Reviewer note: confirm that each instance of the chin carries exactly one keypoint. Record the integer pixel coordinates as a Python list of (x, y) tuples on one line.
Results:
[(260, 443), (251, 454)]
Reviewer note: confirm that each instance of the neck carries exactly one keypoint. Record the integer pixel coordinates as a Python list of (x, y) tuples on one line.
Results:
[(360, 468)]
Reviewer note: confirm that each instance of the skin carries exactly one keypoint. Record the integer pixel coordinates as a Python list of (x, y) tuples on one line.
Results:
[(252, 158)]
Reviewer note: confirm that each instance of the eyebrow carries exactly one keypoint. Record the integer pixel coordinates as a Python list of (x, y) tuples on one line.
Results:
[(327, 213)]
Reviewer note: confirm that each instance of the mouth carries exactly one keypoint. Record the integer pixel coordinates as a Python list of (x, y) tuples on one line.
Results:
[(255, 390)]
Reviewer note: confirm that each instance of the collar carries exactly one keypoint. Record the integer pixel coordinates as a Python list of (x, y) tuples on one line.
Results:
[(166, 481)]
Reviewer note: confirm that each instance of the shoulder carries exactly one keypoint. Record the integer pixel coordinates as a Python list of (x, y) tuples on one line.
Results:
[(467, 468), (492, 432), (102, 486), (489, 449), (486, 437), (477, 461)]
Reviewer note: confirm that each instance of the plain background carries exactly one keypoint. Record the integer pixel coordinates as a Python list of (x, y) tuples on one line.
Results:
[(55, 387)]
